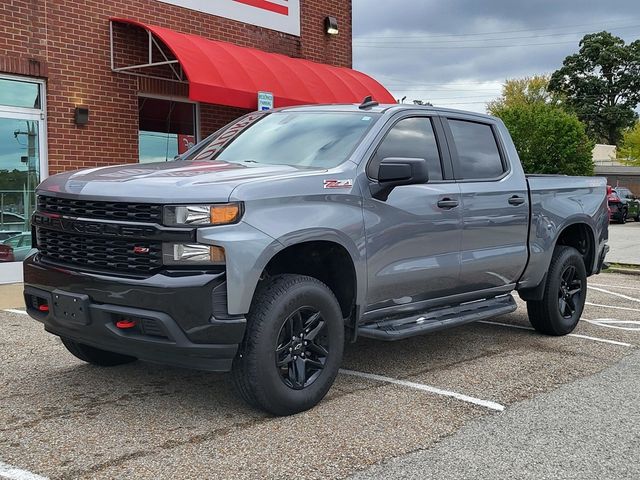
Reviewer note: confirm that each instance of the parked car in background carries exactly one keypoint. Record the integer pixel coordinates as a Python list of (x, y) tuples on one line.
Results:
[(12, 220), (4, 234), (21, 246), (630, 201), (6, 253), (618, 210)]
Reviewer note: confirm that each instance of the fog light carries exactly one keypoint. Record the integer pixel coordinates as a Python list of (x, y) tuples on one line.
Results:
[(192, 254)]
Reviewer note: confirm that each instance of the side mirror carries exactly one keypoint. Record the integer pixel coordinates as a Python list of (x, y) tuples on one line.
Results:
[(395, 171)]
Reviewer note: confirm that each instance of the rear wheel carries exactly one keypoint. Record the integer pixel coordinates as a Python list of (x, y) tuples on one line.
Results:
[(293, 345), (565, 292), (623, 216), (96, 356)]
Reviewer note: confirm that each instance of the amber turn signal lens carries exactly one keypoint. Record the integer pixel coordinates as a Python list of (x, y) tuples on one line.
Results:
[(217, 255), (225, 214)]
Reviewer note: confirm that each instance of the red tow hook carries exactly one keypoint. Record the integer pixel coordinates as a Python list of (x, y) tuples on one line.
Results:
[(43, 308), (125, 324)]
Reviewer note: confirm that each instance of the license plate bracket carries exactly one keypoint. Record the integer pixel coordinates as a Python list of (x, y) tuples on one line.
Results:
[(71, 307)]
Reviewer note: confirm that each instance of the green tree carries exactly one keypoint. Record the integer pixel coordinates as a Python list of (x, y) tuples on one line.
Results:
[(629, 150), (602, 85), (524, 91), (548, 139)]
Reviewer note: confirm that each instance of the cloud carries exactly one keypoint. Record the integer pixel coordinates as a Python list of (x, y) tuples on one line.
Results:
[(458, 53)]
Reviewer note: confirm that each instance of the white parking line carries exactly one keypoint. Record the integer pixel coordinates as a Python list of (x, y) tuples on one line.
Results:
[(521, 327), (14, 310), (13, 473), (427, 388), (597, 289), (603, 340), (611, 306), (614, 286), (585, 337), (615, 324)]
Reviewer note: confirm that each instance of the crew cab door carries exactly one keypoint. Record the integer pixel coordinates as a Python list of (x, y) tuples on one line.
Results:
[(494, 207), (413, 237)]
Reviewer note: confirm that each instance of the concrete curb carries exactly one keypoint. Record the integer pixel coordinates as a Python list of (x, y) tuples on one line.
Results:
[(625, 271)]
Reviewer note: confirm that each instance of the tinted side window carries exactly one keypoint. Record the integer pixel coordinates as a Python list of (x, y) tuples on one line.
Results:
[(478, 153), (410, 138)]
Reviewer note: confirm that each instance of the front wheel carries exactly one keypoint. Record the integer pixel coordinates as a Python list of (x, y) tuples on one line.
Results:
[(565, 292), (293, 345)]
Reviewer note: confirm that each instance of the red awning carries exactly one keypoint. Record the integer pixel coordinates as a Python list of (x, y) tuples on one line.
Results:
[(228, 74)]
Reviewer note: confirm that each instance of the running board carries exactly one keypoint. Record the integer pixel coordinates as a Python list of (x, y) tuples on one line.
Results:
[(434, 320)]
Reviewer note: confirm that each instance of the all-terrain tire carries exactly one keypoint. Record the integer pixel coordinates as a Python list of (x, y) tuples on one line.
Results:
[(554, 315), (96, 356), (256, 376)]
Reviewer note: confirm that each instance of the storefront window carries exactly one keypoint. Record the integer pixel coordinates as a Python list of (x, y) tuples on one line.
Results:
[(166, 128), (21, 130), (19, 94)]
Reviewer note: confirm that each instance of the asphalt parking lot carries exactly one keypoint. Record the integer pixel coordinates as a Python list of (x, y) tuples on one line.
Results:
[(623, 240), (394, 405)]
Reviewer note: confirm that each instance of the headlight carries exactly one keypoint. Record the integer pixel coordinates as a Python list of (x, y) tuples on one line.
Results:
[(202, 215), (192, 254)]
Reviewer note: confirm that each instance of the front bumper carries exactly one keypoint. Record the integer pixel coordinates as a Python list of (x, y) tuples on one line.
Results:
[(179, 317)]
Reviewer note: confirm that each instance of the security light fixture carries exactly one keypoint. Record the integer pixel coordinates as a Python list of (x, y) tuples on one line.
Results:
[(81, 115), (331, 25)]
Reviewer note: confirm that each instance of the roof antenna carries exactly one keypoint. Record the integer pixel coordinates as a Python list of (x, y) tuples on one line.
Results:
[(368, 102)]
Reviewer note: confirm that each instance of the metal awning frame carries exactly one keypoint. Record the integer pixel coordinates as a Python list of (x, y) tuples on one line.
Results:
[(138, 70)]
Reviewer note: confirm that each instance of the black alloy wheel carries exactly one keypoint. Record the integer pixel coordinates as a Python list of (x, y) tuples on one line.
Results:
[(570, 292), (565, 291), (303, 348), (293, 345)]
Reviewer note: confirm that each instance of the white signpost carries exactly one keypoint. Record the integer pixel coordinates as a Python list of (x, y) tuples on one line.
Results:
[(280, 15), (265, 101)]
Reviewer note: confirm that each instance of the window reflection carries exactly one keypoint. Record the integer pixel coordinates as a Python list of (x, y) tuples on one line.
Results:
[(166, 129), (19, 175), (15, 93)]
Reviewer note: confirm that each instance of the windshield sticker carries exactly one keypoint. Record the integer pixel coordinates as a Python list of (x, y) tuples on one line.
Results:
[(227, 137), (338, 183)]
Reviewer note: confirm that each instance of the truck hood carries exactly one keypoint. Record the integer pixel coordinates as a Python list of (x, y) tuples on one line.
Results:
[(165, 182)]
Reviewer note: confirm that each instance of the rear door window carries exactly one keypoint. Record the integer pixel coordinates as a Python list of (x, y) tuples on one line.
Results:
[(478, 153)]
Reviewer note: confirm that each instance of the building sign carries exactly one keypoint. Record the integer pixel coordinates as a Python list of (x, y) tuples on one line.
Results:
[(185, 142), (280, 15), (265, 101)]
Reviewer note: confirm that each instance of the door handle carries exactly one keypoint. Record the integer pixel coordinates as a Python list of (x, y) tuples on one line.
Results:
[(516, 200), (447, 203)]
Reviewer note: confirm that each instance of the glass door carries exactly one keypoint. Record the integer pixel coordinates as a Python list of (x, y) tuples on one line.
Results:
[(21, 165)]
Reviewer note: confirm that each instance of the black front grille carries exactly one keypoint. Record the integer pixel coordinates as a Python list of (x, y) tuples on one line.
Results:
[(133, 212), (100, 253)]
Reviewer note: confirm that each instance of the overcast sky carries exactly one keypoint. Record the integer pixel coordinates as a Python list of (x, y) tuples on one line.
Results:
[(457, 53)]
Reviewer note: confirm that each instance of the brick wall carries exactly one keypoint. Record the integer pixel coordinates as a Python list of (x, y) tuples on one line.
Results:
[(67, 41)]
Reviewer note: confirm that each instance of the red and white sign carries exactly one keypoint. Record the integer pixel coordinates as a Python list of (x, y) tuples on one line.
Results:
[(280, 15), (185, 142)]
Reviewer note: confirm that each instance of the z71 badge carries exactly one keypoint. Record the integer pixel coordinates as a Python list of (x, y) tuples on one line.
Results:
[(338, 183)]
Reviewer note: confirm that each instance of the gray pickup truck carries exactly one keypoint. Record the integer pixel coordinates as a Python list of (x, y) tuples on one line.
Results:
[(270, 243)]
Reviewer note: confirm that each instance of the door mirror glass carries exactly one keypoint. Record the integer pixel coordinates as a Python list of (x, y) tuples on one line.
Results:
[(396, 171)]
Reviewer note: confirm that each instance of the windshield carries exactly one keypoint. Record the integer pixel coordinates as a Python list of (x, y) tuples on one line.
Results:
[(301, 139)]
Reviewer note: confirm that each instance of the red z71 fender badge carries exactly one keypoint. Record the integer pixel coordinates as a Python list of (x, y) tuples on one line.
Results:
[(338, 183)]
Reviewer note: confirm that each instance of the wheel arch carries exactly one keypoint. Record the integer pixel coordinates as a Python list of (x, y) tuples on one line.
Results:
[(578, 233), (346, 261)]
